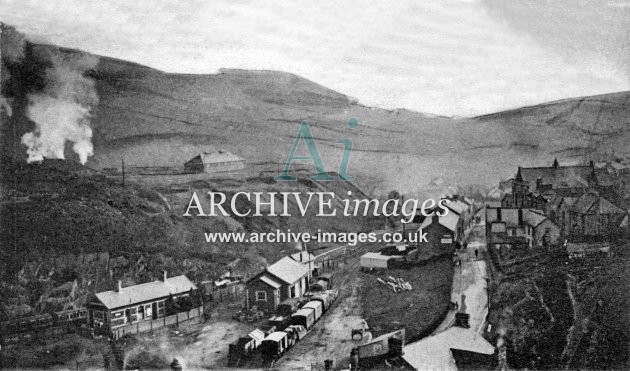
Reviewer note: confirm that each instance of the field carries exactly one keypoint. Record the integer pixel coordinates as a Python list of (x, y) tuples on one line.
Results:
[(416, 310)]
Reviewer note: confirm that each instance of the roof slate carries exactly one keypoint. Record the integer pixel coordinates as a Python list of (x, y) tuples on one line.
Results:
[(270, 281), (288, 270), (145, 292)]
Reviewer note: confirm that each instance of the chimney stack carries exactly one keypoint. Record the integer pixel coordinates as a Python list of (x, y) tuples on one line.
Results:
[(164, 276), (119, 286)]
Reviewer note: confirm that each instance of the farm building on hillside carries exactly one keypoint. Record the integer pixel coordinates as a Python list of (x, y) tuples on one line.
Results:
[(110, 310), (282, 280), (213, 162)]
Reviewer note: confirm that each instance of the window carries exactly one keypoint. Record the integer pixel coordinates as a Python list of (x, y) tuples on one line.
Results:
[(261, 296), (292, 292)]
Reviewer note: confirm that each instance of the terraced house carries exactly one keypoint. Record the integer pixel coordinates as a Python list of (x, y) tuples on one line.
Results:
[(509, 228)]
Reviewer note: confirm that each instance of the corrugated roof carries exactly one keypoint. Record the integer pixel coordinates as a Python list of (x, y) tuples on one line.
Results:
[(288, 270), (145, 292), (270, 281)]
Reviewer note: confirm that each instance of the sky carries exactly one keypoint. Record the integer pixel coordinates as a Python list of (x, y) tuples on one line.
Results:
[(453, 58)]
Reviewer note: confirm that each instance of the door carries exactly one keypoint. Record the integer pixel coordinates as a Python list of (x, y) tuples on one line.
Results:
[(154, 310)]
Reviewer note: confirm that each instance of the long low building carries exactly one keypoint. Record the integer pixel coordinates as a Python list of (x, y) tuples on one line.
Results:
[(113, 309)]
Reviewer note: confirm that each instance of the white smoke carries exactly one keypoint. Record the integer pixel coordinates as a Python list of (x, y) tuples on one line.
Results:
[(62, 110)]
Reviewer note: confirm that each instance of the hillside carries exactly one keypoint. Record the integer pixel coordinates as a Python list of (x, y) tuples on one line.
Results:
[(152, 118), (63, 223)]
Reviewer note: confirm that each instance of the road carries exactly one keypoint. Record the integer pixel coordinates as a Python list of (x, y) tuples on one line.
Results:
[(470, 292)]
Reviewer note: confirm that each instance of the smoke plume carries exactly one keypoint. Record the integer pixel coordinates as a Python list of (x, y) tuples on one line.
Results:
[(49, 87), (62, 109)]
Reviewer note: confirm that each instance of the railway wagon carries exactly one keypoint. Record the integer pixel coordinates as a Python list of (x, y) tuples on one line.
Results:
[(304, 317), (280, 322), (290, 306), (244, 346), (275, 344), (328, 277), (319, 286), (32, 323), (298, 330), (317, 307), (72, 316), (326, 298)]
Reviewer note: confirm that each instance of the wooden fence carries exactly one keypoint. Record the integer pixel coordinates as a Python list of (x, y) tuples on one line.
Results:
[(228, 294), (192, 316)]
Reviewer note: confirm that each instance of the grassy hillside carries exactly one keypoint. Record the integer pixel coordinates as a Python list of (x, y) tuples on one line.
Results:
[(61, 222), (153, 118), (156, 118)]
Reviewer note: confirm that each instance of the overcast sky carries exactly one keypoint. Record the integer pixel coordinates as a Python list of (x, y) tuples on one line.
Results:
[(448, 57)]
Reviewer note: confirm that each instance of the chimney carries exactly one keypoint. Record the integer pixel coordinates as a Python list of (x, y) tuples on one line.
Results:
[(164, 276), (119, 286), (555, 163), (435, 218)]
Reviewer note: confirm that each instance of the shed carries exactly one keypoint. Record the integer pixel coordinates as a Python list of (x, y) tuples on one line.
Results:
[(374, 260), (216, 161)]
